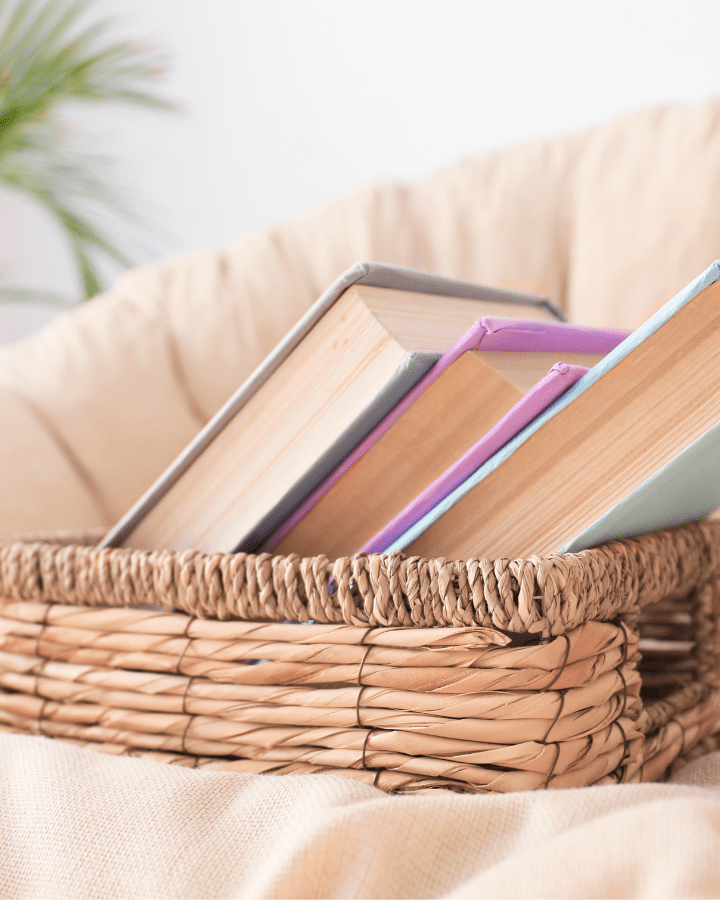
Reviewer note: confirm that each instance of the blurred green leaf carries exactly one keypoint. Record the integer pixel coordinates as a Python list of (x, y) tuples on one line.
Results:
[(51, 57)]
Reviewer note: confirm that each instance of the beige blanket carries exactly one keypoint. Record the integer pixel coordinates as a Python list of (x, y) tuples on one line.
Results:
[(76, 824)]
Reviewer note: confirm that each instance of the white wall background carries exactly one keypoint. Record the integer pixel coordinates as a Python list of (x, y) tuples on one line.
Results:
[(289, 103)]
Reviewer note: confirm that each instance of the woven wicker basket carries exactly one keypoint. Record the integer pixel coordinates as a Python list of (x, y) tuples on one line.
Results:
[(483, 675)]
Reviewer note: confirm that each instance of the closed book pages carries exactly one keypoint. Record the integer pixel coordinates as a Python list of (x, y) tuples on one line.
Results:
[(633, 446), (539, 397), (465, 395), (367, 342)]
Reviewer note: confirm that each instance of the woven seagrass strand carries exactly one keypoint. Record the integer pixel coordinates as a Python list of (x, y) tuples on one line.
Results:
[(549, 595), (450, 707)]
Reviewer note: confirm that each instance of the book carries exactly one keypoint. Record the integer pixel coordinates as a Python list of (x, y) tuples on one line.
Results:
[(633, 446), (452, 413), (348, 362), (558, 380)]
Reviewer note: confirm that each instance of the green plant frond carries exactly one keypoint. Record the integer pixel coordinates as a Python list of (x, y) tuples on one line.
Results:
[(74, 70), (84, 234), (53, 59), (88, 273), (63, 188), (75, 197), (62, 65), (41, 154), (31, 37), (26, 21), (49, 55)]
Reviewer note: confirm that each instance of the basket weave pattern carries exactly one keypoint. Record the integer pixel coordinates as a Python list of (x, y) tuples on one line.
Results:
[(487, 675)]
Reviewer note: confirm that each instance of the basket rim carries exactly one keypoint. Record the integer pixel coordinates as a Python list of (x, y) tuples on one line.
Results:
[(548, 595)]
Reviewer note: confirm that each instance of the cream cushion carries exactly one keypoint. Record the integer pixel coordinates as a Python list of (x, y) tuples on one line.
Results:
[(608, 224)]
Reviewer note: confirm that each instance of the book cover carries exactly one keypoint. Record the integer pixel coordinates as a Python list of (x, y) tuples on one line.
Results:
[(689, 479)]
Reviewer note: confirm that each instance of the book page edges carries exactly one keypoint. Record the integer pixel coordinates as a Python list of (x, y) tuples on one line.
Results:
[(413, 367), (468, 341), (229, 409), (558, 380)]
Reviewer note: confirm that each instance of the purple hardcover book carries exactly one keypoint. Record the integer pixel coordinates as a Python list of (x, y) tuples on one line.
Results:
[(488, 333), (538, 398)]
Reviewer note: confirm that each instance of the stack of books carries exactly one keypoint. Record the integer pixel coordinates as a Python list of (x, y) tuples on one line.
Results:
[(407, 411)]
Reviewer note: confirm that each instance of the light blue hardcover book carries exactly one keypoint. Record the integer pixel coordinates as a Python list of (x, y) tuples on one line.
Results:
[(682, 489)]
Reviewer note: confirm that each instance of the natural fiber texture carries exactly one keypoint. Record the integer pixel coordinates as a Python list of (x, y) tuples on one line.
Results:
[(547, 595), (87, 825), (528, 677)]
